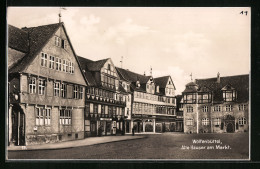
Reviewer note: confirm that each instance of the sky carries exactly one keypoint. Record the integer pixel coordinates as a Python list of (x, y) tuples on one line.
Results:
[(171, 41)]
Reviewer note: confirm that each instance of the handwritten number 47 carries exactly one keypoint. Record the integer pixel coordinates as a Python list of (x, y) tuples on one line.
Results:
[(243, 12)]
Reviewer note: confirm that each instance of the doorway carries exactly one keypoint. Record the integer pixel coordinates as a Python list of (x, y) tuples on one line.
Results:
[(18, 126), (93, 128), (230, 128)]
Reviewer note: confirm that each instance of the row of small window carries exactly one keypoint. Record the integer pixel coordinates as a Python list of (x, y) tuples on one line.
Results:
[(43, 116), (154, 97), (59, 89), (202, 98), (104, 93), (216, 121), (108, 81), (207, 97), (149, 108), (57, 63), (217, 108), (92, 108)]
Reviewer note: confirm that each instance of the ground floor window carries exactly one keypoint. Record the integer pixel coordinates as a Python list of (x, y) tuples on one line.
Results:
[(189, 122), (65, 116), (205, 121), (217, 121), (242, 121), (43, 116)]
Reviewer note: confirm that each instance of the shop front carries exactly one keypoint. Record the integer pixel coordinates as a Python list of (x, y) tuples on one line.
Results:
[(107, 126)]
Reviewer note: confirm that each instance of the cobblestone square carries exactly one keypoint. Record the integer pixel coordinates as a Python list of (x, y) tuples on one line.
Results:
[(157, 146)]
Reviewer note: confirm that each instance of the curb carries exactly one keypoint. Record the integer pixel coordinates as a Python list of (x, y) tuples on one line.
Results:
[(39, 149)]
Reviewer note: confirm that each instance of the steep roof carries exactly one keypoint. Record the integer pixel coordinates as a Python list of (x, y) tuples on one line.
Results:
[(96, 65), (162, 81), (17, 39), (37, 37), (191, 87), (240, 83), (132, 77), (87, 74)]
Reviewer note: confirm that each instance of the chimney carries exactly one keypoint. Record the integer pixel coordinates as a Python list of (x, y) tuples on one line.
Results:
[(218, 77), (144, 73), (151, 72)]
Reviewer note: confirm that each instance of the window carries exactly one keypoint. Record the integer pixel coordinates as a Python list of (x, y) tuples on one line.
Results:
[(189, 109), (242, 121), (39, 117), (58, 63), (108, 67), (217, 121), (157, 89), (205, 121), (229, 107), (95, 108), (51, 62), (65, 66), (80, 92), (64, 44), (57, 41), (72, 68), (190, 98), (43, 117), (32, 85), (65, 116), (189, 122), (229, 95), (75, 92), (205, 109), (44, 60), (204, 97), (241, 107), (63, 90), (47, 116), (42, 86), (56, 88), (217, 108), (127, 111)]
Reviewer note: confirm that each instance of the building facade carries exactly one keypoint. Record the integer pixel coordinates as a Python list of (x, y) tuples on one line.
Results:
[(153, 102), (105, 98), (46, 86), (217, 105)]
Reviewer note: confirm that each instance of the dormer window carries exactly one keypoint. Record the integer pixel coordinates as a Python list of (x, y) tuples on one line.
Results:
[(189, 98), (229, 93), (147, 86), (157, 89), (204, 97)]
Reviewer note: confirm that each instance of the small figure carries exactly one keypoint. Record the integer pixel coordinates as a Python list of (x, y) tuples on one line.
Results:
[(133, 131)]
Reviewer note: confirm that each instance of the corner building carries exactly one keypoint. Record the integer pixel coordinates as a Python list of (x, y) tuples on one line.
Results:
[(153, 102), (46, 86), (217, 105)]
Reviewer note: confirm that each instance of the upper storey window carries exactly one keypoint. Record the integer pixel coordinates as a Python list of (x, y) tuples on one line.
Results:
[(229, 93), (44, 60), (204, 97), (190, 98), (61, 42)]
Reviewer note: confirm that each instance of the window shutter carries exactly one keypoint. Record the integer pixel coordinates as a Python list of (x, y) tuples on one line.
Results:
[(69, 91)]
